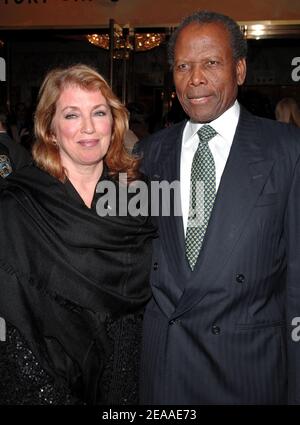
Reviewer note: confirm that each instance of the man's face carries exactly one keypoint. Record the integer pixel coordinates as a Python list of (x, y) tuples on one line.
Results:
[(205, 73)]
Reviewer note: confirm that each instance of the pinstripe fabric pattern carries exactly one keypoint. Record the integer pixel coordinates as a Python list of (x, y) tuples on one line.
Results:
[(222, 334)]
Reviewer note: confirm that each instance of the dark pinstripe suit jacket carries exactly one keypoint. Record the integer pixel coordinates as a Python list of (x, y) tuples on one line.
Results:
[(222, 334)]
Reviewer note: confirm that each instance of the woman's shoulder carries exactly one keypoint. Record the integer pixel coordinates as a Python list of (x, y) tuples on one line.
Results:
[(29, 180), (29, 173)]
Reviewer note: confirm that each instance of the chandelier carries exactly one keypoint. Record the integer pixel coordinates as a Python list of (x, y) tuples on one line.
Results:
[(126, 41)]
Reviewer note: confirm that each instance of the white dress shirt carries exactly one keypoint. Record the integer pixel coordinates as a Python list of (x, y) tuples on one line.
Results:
[(220, 145)]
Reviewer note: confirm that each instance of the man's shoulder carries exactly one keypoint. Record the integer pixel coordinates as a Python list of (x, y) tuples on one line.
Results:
[(280, 134), (269, 124), (272, 132), (161, 136)]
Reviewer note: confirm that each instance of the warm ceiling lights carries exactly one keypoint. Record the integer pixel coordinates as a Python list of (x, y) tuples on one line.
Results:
[(139, 42)]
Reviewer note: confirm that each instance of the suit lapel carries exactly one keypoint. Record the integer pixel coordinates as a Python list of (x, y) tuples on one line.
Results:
[(244, 176), (171, 226)]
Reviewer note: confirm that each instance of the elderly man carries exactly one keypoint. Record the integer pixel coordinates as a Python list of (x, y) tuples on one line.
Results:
[(226, 288)]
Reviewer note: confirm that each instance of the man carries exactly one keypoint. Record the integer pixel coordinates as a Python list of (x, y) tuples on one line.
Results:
[(12, 155), (226, 290)]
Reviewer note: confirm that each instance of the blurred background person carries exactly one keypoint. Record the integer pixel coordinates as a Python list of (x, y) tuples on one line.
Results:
[(12, 156), (21, 125), (287, 110), (73, 283), (138, 126), (130, 140)]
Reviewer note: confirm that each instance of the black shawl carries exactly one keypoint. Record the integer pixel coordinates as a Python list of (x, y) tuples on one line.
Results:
[(64, 270)]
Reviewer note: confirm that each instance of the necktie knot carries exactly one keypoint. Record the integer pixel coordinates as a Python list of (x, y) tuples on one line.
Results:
[(206, 132)]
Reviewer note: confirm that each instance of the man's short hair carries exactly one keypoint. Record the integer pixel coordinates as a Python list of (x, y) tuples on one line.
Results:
[(238, 42)]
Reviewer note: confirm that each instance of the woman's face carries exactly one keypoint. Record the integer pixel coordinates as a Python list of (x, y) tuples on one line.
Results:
[(82, 127)]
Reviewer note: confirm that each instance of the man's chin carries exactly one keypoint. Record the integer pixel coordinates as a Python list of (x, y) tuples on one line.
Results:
[(201, 119), (200, 115)]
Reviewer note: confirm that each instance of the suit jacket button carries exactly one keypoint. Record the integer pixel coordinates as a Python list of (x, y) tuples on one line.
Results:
[(172, 322), (216, 330), (240, 278), (155, 266)]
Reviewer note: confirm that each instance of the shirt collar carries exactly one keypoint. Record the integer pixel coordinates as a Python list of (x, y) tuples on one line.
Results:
[(225, 125)]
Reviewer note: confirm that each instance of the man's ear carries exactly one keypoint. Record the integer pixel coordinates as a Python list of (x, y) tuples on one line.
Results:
[(241, 69)]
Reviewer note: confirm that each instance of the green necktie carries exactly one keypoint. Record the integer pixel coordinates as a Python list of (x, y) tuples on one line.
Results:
[(202, 194)]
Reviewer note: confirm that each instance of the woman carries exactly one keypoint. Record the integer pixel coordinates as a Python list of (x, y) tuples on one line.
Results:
[(73, 284)]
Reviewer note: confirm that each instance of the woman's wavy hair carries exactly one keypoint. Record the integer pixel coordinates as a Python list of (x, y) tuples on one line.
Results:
[(46, 153)]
